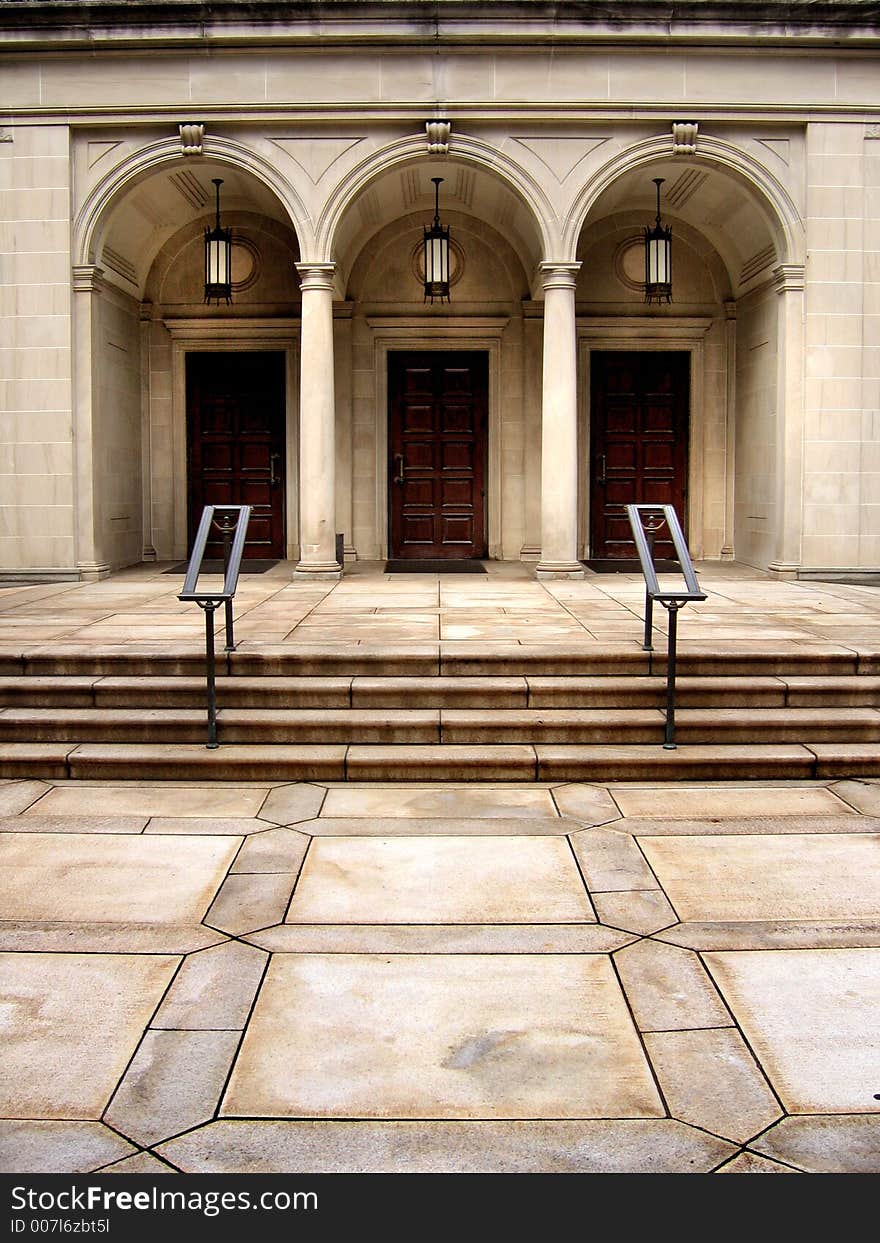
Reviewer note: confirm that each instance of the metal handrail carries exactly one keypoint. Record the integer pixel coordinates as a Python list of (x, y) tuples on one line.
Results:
[(234, 536), (672, 601)]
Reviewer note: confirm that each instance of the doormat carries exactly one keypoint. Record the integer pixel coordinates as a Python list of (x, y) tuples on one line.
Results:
[(216, 567), (629, 565), (434, 567)]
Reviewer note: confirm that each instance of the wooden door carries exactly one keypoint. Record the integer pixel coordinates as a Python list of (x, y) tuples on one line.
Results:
[(437, 466), (639, 403), (235, 444)]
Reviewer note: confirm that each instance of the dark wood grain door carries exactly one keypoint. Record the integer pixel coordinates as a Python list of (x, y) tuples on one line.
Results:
[(235, 443), (639, 403), (437, 467)]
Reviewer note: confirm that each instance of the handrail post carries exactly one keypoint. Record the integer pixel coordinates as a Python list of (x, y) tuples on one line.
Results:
[(651, 526), (669, 736), (209, 607), (226, 528)]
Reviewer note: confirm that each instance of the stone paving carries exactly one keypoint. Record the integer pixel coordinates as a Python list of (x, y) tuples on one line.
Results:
[(546, 977), (440, 978)]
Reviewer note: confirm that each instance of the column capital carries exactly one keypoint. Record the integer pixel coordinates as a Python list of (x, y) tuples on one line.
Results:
[(558, 275), (314, 276), (86, 277)]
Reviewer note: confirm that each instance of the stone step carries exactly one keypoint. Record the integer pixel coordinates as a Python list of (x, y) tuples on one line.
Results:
[(406, 693), (448, 726), (544, 762), (581, 658)]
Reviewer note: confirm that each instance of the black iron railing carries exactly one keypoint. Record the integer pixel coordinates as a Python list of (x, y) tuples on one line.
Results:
[(232, 523), (646, 521)]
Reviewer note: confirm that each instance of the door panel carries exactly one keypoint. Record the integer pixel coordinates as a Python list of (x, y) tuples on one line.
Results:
[(438, 420), (639, 404), (235, 444)]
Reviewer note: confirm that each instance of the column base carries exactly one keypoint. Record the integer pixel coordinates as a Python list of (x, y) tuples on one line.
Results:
[(93, 571), (559, 569), (320, 571), (783, 569)]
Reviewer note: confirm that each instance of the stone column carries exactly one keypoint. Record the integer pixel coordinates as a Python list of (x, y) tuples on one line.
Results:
[(727, 548), (789, 420), (559, 431), (317, 428), (86, 286)]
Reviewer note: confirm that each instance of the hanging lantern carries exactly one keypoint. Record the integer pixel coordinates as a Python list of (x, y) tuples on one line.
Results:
[(437, 254), (658, 257), (218, 258)]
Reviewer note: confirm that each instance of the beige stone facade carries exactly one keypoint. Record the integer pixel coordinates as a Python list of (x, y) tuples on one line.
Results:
[(322, 120)]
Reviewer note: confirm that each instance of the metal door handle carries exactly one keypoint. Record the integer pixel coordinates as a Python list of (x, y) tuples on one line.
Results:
[(600, 478), (398, 468), (273, 458)]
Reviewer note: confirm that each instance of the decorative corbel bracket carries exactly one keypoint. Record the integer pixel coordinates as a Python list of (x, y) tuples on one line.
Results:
[(438, 137), (191, 136), (684, 137)]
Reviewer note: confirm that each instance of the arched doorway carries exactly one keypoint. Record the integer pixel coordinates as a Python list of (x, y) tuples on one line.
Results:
[(437, 404), (680, 400), (190, 403)]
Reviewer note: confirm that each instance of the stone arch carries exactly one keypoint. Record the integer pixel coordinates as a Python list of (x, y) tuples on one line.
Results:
[(466, 149), (783, 220), (93, 216)]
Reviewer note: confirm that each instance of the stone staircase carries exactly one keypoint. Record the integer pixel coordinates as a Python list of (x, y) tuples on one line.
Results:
[(448, 711)]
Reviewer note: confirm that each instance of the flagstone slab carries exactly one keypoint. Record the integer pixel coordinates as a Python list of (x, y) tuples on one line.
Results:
[(439, 880), (587, 804), (798, 876), (173, 1083), (441, 1036), (111, 879), (813, 1018), (644, 911), (17, 796), (214, 989), (419, 826), (153, 800), (71, 1023), (689, 802), (864, 796), (611, 860), (198, 826), (751, 825), (839, 1144), (72, 824), (711, 1080), (34, 1146), (250, 901), (274, 850), (769, 934), (49, 936), (447, 801), (583, 938), (668, 988), (289, 804), (660, 1146)]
